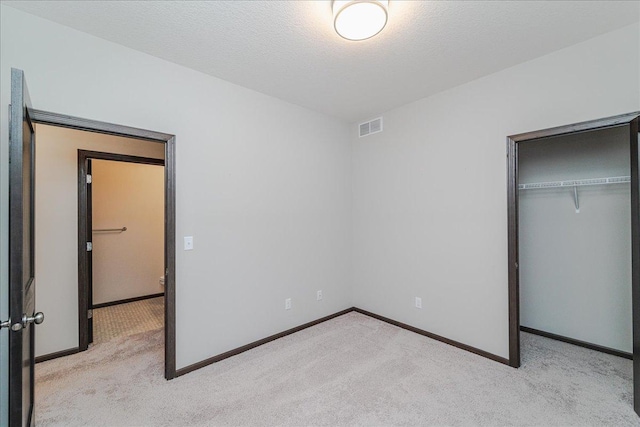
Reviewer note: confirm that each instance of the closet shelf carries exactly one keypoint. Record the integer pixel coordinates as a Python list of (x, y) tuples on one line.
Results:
[(575, 183)]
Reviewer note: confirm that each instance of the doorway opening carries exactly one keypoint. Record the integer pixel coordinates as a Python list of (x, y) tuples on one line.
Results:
[(85, 236), (621, 134), (124, 285)]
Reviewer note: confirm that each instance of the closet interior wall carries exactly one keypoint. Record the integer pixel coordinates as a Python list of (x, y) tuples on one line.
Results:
[(575, 266), (127, 264)]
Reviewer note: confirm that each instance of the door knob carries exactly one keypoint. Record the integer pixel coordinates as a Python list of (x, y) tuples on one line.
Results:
[(36, 318)]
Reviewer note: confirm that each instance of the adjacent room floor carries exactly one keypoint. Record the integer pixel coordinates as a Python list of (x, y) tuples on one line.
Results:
[(123, 320), (352, 370)]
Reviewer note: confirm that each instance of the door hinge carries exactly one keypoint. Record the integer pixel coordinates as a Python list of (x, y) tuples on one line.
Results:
[(89, 179), (89, 246), (90, 313)]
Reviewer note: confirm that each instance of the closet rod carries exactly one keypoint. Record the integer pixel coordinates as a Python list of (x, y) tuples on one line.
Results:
[(107, 230), (575, 183)]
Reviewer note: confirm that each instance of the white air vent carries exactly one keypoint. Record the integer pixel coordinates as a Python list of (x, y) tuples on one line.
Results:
[(370, 127)]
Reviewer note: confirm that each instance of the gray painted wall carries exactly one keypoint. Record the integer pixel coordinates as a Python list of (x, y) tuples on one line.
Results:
[(263, 186), (575, 268), (277, 211), (430, 191)]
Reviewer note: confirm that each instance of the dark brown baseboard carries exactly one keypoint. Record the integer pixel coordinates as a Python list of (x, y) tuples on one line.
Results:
[(436, 337), (57, 354), (124, 301), (230, 353), (258, 343), (573, 341)]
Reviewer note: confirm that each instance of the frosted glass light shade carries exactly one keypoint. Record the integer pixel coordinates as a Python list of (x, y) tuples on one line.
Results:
[(359, 19)]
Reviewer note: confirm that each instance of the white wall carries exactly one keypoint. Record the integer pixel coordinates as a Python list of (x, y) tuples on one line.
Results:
[(575, 268), (127, 264), (262, 185), (56, 236), (430, 194)]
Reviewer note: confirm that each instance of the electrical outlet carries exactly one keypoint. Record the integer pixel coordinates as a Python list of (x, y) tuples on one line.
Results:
[(319, 295), (287, 304), (188, 243), (418, 302)]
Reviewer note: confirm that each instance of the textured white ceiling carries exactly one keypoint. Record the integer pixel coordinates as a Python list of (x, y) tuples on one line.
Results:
[(288, 49)]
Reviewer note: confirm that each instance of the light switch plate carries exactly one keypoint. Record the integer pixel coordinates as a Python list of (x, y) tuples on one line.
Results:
[(188, 243)]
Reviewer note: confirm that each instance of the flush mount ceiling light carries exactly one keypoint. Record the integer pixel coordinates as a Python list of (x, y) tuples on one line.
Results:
[(359, 19)]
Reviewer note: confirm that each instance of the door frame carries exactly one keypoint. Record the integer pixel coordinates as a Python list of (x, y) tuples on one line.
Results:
[(630, 120), (169, 141), (85, 234)]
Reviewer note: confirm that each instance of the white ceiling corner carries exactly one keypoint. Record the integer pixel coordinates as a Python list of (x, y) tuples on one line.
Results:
[(288, 49)]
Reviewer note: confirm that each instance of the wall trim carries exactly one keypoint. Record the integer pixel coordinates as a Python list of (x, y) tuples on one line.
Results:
[(57, 354), (127, 300), (236, 351), (258, 343), (436, 337), (588, 126), (579, 343), (71, 122)]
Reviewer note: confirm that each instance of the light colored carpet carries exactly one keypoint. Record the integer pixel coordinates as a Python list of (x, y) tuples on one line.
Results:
[(123, 320), (352, 370)]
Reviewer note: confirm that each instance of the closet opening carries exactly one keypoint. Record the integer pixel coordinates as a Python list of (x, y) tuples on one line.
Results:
[(121, 274), (574, 239)]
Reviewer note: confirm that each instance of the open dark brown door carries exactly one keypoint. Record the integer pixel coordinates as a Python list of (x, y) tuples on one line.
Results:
[(22, 285), (635, 258)]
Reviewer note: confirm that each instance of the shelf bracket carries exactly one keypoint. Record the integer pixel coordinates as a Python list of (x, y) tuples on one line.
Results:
[(576, 199)]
